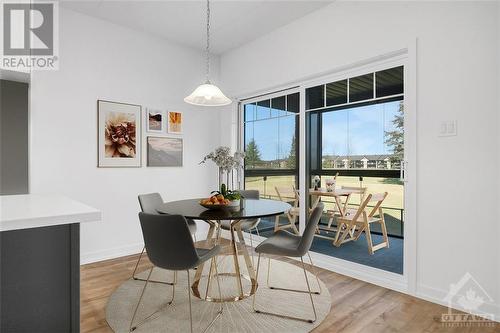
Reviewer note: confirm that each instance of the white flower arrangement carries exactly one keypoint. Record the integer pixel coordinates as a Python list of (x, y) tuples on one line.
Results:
[(226, 162)]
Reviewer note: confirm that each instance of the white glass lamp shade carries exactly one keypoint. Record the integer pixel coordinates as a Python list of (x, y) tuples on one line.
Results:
[(207, 95)]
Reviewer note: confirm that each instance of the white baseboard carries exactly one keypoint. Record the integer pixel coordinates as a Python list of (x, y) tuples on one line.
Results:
[(90, 257), (122, 251), (437, 296)]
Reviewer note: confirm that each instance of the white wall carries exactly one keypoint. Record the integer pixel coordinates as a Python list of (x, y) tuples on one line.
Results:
[(457, 79), (99, 60)]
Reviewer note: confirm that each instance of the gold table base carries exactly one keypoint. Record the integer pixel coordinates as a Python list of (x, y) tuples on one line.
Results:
[(232, 248), (208, 298)]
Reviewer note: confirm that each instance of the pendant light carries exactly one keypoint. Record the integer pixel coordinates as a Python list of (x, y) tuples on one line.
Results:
[(207, 94)]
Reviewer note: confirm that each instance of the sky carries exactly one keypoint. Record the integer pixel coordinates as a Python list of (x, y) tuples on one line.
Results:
[(354, 131)]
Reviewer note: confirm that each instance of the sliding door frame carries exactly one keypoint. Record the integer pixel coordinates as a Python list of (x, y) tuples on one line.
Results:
[(405, 56)]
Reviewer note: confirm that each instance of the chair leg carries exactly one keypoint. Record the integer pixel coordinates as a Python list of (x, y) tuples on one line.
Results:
[(294, 227), (134, 327), (256, 279), (209, 279), (330, 221), (137, 263), (293, 290), (131, 327), (251, 245), (141, 279), (315, 274), (285, 316), (344, 232), (384, 229), (190, 307), (368, 238), (214, 263), (268, 272), (339, 231)]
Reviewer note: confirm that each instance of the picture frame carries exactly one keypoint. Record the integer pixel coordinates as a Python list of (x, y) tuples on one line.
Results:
[(155, 120), (119, 136), (165, 151), (175, 122)]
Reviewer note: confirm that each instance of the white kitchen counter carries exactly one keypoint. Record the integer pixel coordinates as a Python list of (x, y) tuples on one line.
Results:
[(38, 210)]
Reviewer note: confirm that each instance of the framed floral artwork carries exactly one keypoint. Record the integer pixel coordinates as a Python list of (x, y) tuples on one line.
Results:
[(175, 122), (119, 134), (155, 121)]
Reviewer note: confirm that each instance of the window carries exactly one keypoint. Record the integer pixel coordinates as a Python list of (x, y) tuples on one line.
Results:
[(362, 137), (389, 82), (336, 93), (362, 88), (270, 131), (315, 97)]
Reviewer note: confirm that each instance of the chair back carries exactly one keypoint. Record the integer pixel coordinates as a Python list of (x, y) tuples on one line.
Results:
[(378, 198), (354, 190), (168, 241), (308, 235), (150, 202), (288, 194), (250, 194)]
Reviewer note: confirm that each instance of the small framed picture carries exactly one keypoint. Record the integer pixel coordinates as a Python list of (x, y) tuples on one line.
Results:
[(155, 120), (119, 134), (174, 122), (164, 151)]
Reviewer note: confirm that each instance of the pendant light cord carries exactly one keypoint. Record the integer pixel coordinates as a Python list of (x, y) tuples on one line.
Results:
[(208, 42)]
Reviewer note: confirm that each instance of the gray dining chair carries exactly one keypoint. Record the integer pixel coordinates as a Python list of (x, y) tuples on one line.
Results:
[(285, 244), (149, 204), (170, 246), (248, 224)]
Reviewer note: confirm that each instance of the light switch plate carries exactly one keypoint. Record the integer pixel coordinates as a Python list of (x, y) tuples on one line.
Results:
[(448, 128)]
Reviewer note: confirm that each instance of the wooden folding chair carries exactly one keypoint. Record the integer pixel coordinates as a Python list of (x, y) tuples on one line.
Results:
[(351, 226), (345, 206), (289, 195)]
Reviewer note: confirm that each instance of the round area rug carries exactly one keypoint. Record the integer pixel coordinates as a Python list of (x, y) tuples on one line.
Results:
[(236, 317)]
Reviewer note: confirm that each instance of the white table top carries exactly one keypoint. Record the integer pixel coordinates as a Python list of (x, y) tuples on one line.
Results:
[(37, 210)]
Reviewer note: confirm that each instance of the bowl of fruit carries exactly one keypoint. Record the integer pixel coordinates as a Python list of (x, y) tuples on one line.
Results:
[(215, 202), (222, 199)]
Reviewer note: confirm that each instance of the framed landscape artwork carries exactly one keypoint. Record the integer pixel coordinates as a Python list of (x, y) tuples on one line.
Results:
[(119, 134), (164, 152), (155, 121), (175, 122)]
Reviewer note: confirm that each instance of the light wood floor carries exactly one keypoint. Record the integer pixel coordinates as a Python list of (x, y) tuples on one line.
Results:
[(356, 306)]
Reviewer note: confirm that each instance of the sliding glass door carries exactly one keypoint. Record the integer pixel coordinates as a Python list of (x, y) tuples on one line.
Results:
[(355, 135)]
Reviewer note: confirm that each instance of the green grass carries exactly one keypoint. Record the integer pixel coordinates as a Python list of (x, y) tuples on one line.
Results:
[(394, 200)]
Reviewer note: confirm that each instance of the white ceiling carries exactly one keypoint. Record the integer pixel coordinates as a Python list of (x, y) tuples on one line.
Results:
[(234, 23)]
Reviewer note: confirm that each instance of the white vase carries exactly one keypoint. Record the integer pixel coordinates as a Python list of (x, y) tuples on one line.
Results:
[(234, 204)]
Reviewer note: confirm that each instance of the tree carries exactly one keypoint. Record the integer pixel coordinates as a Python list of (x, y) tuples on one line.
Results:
[(252, 154), (395, 138), (292, 158)]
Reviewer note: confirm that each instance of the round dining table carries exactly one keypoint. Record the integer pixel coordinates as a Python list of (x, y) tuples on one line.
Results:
[(249, 209)]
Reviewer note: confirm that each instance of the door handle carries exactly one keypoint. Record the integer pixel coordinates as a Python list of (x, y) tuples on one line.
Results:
[(402, 171)]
